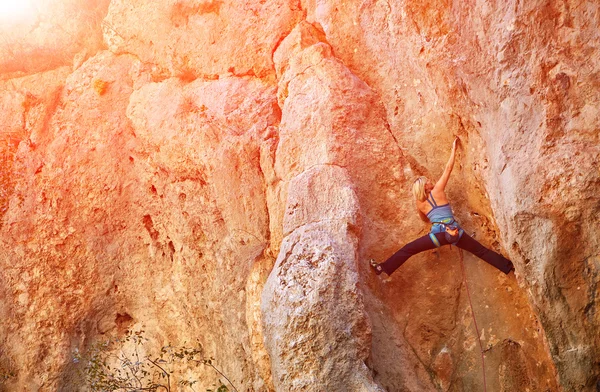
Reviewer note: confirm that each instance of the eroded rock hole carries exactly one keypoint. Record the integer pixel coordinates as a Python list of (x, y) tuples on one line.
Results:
[(171, 249), (123, 320), (149, 225)]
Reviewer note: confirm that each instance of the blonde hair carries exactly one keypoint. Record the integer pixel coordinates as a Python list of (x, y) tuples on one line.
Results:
[(418, 188)]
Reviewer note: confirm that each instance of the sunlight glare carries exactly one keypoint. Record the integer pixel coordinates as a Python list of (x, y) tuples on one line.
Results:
[(13, 11)]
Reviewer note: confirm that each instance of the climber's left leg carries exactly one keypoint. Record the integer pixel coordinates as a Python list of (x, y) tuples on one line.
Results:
[(468, 243)]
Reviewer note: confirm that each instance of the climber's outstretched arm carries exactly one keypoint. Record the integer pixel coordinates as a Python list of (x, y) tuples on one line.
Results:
[(441, 184)]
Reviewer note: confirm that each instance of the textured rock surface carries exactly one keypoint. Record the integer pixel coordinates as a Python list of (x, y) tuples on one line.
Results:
[(517, 82), (312, 294), (53, 33), (193, 38), (225, 169)]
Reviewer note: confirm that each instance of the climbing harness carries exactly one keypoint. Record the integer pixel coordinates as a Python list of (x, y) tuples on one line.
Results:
[(451, 230), (442, 220), (462, 267)]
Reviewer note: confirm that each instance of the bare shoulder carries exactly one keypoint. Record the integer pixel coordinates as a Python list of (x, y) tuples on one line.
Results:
[(423, 207)]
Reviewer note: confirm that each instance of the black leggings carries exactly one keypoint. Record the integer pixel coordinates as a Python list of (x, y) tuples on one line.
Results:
[(466, 242)]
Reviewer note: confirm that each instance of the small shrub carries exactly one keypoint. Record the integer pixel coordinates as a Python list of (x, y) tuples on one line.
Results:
[(5, 368), (107, 367), (5, 375)]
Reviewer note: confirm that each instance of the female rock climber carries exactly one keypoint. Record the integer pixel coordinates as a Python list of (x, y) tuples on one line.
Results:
[(433, 206)]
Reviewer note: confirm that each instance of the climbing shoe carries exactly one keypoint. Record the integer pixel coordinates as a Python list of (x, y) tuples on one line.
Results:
[(376, 266)]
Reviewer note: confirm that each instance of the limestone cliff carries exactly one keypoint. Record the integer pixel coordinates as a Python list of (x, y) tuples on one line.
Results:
[(222, 171)]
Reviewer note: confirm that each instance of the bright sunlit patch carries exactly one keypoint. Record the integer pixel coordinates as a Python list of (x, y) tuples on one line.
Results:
[(12, 11)]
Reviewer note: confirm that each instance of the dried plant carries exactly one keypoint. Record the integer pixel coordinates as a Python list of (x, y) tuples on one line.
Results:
[(107, 367)]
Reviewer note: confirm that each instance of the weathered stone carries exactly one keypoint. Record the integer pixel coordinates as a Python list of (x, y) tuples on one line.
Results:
[(226, 170), (312, 296), (53, 33), (26, 104), (46, 282), (107, 222), (503, 77), (194, 38), (331, 117)]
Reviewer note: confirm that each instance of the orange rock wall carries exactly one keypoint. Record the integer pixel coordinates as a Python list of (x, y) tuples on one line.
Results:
[(222, 171)]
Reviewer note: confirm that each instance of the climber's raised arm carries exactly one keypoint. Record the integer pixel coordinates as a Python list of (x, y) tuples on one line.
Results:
[(433, 206), (440, 185)]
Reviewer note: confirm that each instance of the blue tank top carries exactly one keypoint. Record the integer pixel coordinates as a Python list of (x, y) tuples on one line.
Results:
[(440, 215)]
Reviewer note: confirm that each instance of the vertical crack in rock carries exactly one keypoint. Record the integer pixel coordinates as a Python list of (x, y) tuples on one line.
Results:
[(417, 356)]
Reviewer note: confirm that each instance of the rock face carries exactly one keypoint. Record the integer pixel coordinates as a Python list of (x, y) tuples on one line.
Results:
[(52, 34), (207, 39), (222, 171)]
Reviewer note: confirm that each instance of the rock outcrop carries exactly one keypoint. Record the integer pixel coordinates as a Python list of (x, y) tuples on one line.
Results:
[(222, 171)]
